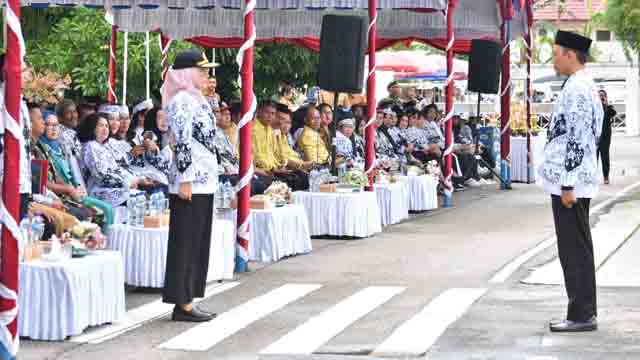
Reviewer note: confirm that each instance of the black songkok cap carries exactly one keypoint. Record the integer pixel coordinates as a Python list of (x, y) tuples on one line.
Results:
[(573, 41)]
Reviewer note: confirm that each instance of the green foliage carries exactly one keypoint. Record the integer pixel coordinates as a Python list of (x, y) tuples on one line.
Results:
[(76, 42), (623, 18), (78, 45)]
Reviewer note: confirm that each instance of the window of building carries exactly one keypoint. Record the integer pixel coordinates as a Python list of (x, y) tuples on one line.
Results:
[(603, 35)]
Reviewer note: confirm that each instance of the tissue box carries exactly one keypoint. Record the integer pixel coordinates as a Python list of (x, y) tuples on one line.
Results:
[(260, 202), (155, 221), (330, 188)]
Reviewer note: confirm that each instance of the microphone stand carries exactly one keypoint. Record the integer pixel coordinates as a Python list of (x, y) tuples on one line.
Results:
[(477, 155)]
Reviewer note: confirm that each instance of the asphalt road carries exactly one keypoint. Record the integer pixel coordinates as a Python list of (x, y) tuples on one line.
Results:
[(420, 288)]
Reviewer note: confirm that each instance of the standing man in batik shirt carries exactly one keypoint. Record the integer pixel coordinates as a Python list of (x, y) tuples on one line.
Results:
[(569, 174)]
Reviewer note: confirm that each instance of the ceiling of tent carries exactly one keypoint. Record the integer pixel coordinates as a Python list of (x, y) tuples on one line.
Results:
[(291, 19)]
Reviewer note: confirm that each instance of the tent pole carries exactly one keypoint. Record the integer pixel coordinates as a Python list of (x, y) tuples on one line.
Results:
[(245, 61), (528, 93), (505, 95), (448, 119), (165, 43), (369, 131), (125, 62), (113, 49), (147, 70), (10, 186)]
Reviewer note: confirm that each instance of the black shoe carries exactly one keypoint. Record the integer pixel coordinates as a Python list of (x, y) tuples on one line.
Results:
[(205, 311), (574, 326), (195, 315)]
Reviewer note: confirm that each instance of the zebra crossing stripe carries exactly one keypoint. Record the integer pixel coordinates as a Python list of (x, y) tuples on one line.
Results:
[(318, 330), (419, 333), (137, 317), (204, 336)]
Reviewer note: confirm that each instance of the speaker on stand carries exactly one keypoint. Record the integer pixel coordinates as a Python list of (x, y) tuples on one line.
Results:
[(485, 63), (343, 42)]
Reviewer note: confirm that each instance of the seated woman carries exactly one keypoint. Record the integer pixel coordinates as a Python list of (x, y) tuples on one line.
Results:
[(310, 143), (61, 179), (348, 149), (110, 176), (227, 148), (155, 166), (134, 133)]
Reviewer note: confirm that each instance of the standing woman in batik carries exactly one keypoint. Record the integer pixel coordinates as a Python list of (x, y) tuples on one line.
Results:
[(193, 182)]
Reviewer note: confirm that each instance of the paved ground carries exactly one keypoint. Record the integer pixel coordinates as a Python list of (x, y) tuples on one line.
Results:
[(421, 288)]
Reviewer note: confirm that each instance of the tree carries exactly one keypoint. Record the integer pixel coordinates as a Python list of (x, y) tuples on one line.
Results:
[(76, 42), (78, 45), (623, 18)]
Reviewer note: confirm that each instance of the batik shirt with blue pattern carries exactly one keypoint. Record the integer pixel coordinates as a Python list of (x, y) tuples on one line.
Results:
[(193, 126), (571, 149)]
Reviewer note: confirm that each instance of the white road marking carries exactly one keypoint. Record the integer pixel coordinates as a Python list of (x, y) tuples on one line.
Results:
[(611, 232), (204, 336), (137, 317), (321, 328), (505, 272), (419, 333)]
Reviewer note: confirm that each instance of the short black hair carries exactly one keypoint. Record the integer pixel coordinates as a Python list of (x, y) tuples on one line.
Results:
[(63, 106), (266, 104), (323, 106), (87, 131), (235, 108), (283, 108)]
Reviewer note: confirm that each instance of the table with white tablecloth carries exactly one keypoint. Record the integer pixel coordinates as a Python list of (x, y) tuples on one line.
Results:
[(423, 192), (276, 233), (393, 201), (144, 252), (61, 299), (341, 214), (519, 165)]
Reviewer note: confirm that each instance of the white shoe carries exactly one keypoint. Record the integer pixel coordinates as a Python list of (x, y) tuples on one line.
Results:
[(472, 183)]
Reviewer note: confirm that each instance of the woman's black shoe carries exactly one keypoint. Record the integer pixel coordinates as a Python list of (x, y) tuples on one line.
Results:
[(195, 315), (205, 311)]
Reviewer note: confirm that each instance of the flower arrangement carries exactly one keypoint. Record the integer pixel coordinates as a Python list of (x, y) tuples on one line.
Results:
[(46, 87), (87, 235), (433, 169), (355, 178), (279, 192)]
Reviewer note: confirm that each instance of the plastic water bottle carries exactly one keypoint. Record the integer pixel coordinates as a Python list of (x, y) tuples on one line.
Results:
[(131, 211), (230, 194), (154, 204), (140, 209)]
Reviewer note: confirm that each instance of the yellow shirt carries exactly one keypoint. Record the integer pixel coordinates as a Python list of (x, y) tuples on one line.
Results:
[(313, 147), (264, 147), (286, 155)]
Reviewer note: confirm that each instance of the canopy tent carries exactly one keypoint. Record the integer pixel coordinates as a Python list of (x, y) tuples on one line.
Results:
[(215, 23), (449, 25)]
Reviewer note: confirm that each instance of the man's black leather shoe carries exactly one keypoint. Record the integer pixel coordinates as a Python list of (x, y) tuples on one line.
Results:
[(574, 326), (194, 315)]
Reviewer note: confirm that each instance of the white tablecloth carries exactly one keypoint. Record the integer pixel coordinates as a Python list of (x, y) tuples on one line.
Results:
[(341, 214), (519, 156), (276, 233), (423, 192), (61, 299), (393, 200), (144, 251)]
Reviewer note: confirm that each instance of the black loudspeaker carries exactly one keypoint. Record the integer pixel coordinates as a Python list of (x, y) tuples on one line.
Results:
[(485, 65), (342, 47)]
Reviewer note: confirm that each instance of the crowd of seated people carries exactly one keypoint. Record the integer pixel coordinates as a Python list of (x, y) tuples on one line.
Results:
[(97, 155)]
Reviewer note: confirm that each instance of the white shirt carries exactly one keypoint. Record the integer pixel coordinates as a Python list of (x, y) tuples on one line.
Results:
[(571, 150)]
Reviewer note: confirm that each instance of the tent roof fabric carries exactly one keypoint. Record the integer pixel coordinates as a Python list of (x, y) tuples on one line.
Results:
[(238, 4), (397, 20)]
